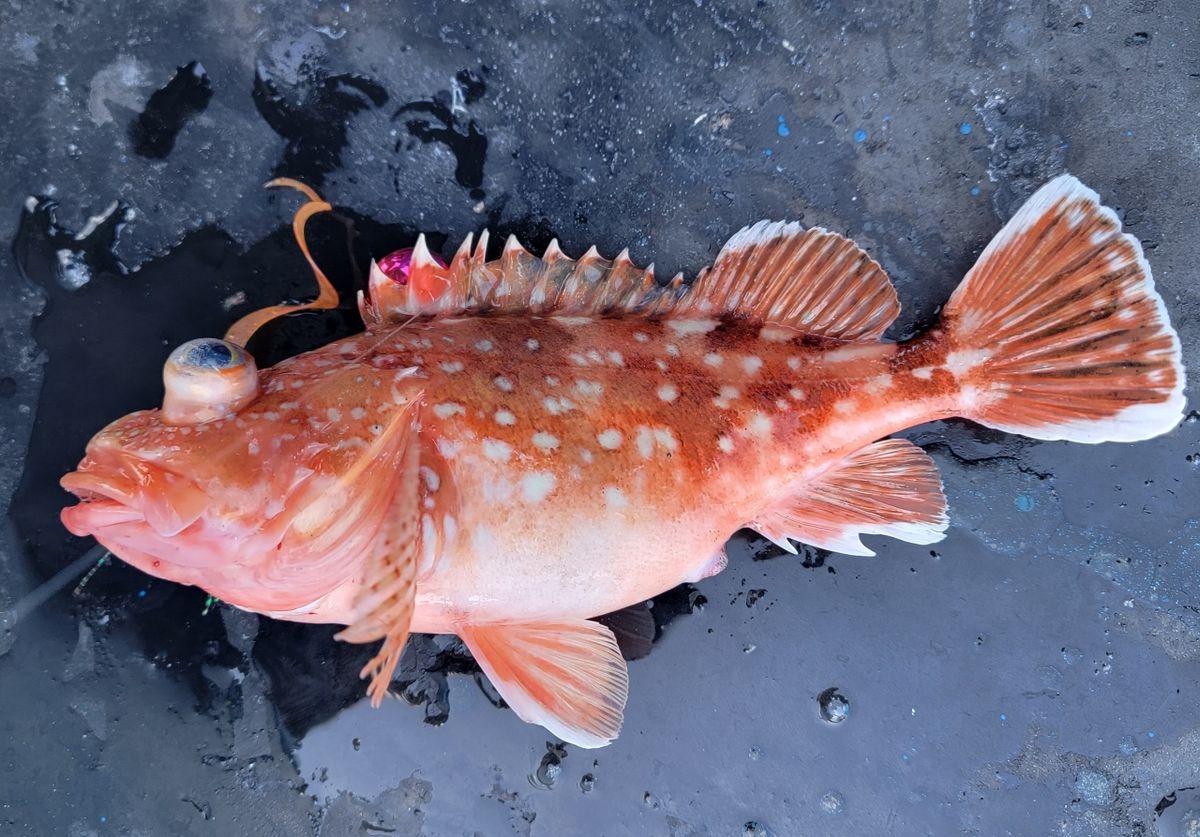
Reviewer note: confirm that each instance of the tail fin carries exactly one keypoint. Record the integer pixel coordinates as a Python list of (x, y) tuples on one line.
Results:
[(1057, 331)]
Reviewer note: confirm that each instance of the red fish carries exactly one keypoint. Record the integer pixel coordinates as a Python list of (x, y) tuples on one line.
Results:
[(517, 445)]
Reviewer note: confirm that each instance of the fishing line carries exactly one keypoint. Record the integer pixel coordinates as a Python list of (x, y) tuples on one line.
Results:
[(35, 598)]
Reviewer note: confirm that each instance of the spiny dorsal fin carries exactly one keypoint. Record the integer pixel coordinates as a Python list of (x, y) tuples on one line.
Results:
[(814, 281)]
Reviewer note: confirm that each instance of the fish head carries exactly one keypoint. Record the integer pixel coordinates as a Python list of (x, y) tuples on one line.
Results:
[(267, 504)]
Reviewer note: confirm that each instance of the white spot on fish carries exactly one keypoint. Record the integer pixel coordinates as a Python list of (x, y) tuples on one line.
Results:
[(614, 498), (661, 364), (641, 337), (616, 359), (545, 441), (485, 345), (672, 350), (665, 437), (552, 381), (589, 387), (610, 439), (497, 450), (358, 413), (428, 542), (726, 397), (447, 409), (964, 360), (793, 363), (725, 444), (333, 414), (447, 448), (432, 481), (532, 345), (714, 359), (775, 334), (251, 448), (685, 328), (645, 441), (878, 384), (577, 359), (572, 321), (923, 372), (759, 425), (594, 356), (504, 418), (668, 392), (502, 383), (845, 406), (557, 406), (452, 367), (752, 364), (537, 485)]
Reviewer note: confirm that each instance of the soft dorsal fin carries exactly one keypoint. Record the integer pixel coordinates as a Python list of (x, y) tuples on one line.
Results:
[(813, 281), (566, 674), (887, 488)]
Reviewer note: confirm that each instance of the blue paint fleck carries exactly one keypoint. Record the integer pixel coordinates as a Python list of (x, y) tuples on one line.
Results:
[(975, 190), (860, 135), (964, 128), (767, 152), (141, 594), (782, 128), (1023, 502)]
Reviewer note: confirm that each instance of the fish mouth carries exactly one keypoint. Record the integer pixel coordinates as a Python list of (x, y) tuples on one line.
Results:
[(116, 488)]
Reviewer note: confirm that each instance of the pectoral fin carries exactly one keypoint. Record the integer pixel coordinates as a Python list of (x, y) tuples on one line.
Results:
[(890, 488), (384, 606), (566, 675)]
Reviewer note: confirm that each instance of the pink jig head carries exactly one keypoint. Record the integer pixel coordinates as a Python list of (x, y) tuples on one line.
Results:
[(405, 283)]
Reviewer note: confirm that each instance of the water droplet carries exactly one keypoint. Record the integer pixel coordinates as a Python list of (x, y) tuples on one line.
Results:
[(550, 769), (587, 783), (834, 705), (860, 135), (832, 803), (964, 128)]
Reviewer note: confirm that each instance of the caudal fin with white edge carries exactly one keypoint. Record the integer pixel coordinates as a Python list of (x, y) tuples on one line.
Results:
[(1057, 331)]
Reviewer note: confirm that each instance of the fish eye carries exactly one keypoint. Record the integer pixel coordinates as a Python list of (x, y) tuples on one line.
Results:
[(207, 379)]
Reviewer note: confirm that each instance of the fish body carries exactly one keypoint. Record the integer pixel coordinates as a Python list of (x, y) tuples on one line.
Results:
[(517, 445)]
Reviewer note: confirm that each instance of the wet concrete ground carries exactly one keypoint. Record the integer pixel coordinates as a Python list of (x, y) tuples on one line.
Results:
[(1035, 673)]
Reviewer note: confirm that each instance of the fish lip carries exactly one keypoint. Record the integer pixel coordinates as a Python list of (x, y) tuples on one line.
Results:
[(109, 480)]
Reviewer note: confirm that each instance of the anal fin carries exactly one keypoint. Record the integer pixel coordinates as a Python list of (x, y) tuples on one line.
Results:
[(566, 675), (889, 488)]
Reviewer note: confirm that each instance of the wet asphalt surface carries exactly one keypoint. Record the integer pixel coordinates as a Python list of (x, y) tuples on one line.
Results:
[(1035, 673)]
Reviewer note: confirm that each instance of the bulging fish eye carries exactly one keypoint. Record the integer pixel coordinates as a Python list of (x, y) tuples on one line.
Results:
[(207, 379)]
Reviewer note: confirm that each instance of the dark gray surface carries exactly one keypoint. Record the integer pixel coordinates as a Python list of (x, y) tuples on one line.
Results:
[(1036, 674)]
